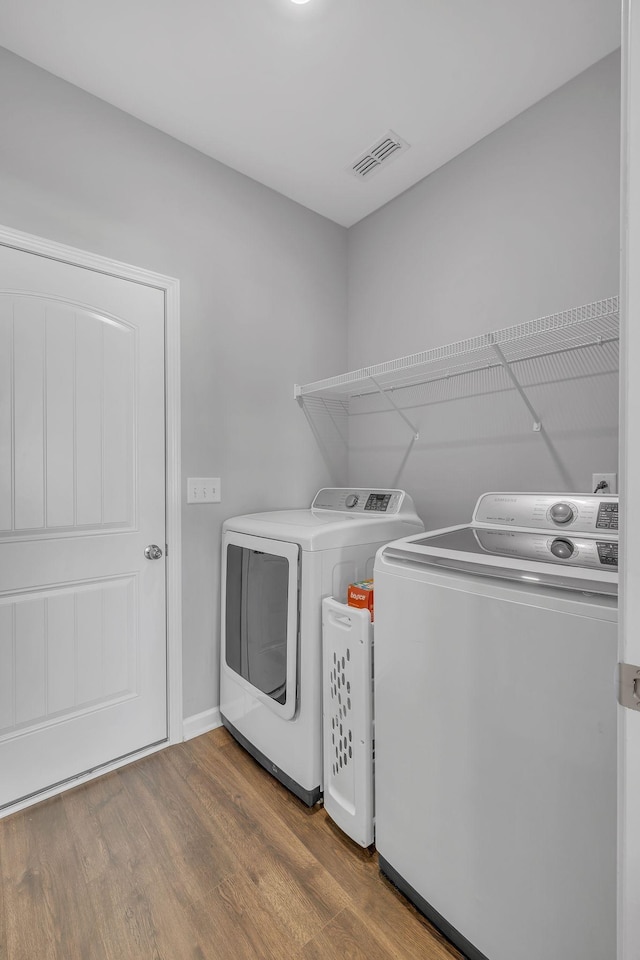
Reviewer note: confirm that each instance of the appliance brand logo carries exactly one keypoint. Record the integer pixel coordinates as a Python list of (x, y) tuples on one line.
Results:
[(506, 499)]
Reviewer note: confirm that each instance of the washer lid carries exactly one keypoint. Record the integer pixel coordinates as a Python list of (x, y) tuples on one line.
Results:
[(538, 558)]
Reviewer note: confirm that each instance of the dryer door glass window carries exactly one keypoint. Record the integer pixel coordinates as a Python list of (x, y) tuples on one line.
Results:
[(257, 623)]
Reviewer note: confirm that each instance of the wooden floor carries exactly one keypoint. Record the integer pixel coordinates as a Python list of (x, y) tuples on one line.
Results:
[(190, 854)]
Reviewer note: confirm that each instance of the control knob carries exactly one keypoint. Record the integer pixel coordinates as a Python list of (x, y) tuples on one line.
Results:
[(562, 549), (351, 500), (561, 512)]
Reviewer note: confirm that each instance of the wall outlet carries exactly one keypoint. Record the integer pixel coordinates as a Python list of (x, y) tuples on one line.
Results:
[(203, 490), (611, 480)]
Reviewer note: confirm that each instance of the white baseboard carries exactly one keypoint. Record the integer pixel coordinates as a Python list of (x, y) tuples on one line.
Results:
[(201, 723), (192, 727)]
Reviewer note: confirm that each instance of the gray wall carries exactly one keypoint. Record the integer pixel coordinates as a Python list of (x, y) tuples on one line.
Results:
[(263, 302), (523, 224)]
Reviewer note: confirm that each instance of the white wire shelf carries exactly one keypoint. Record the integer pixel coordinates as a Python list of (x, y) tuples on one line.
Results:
[(591, 325)]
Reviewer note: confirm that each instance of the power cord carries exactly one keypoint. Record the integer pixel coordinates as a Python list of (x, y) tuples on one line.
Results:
[(603, 485)]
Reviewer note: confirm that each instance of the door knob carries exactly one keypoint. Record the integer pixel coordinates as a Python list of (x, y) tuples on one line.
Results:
[(153, 552)]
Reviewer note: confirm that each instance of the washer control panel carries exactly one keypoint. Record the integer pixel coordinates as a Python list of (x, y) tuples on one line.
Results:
[(563, 511), (366, 503), (607, 518), (573, 550)]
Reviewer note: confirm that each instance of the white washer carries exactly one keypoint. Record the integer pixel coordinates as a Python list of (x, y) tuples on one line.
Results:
[(276, 569), (495, 692)]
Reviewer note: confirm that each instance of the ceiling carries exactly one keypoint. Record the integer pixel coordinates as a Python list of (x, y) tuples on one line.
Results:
[(291, 95)]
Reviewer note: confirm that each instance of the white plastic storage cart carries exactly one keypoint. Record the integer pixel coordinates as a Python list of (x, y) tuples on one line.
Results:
[(347, 658)]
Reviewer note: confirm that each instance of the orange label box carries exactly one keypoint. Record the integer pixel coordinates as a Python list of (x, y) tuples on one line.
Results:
[(360, 595)]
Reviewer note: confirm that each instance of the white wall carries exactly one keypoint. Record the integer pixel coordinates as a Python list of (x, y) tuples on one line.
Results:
[(263, 284), (523, 224)]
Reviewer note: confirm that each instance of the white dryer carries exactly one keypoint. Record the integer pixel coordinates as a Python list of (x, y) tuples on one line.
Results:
[(495, 692), (276, 569)]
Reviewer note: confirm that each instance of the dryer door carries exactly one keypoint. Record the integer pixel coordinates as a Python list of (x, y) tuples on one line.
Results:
[(260, 579)]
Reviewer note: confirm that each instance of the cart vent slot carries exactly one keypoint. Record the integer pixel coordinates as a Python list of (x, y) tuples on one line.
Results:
[(341, 732)]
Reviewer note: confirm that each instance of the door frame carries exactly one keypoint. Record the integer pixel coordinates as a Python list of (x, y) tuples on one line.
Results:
[(171, 288), (629, 633)]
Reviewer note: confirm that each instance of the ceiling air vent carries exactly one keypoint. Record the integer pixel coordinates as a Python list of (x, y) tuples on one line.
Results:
[(382, 152)]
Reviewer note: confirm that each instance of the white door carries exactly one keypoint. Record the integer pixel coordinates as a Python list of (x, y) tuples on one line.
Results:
[(82, 494)]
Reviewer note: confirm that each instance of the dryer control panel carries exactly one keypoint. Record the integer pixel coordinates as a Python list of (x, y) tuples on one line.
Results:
[(549, 511), (363, 502)]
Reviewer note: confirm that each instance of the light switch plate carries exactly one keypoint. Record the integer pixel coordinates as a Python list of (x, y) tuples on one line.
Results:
[(203, 490)]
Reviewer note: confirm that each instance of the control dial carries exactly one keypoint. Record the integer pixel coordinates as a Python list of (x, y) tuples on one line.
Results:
[(351, 500), (562, 549), (562, 512)]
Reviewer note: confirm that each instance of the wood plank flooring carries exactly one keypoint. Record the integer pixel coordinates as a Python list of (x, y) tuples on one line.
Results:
[(196, 853)]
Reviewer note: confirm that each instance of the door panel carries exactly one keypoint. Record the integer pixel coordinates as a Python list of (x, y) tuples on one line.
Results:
[(66, 651), (68, 412), (28, 415), (82, 612), (6, 417), (60, 378)]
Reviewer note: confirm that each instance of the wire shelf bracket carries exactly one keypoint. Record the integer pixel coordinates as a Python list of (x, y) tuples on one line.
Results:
[(386, 395), (537, 423)]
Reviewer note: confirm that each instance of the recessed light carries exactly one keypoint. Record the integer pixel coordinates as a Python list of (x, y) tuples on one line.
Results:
[(299, 1)]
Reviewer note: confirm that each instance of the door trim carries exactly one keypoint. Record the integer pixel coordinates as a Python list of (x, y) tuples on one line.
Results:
[(171, 288), (629, 641)]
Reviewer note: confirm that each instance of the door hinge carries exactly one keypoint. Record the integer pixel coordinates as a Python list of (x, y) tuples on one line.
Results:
[(629, 686), (166, 549)]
